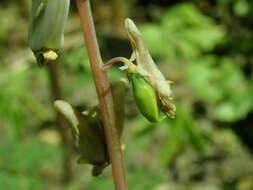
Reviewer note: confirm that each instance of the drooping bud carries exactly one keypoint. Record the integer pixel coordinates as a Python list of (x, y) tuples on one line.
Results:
[(88, 135), (88, 131), (145, 97), (46, 28), (147, 69)]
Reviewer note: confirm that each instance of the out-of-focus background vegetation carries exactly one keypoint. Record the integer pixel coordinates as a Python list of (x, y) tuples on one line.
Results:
[(205, 47)]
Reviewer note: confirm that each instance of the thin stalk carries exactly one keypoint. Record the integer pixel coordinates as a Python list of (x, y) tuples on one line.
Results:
[(114, 60), (104, 95), (119, 15), (61, 124)]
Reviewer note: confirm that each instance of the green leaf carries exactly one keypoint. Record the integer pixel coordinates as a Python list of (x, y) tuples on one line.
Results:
[(173, 140), (195, 137), (241, 8), (183, 32)]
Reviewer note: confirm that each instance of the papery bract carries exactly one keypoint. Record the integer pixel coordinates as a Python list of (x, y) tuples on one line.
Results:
[(146, 68)]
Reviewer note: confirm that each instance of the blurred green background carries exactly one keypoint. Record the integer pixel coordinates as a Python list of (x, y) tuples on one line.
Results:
[(205, 47)]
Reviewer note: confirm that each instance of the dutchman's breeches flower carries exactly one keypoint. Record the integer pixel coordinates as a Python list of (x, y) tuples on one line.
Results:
[(46, 28), (88, 131), (146, 68)]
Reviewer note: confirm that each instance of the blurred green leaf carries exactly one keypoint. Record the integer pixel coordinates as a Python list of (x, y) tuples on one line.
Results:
[(237, 101), (77, 59), (195, 137), (241, 8), (23, 163), (19, 182), (183, 125), (183, 32), (173, 140), (17, 101), (146, 180), (201, 77)]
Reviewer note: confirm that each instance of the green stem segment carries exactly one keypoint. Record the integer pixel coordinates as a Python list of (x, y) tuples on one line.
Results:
[(104, 95)]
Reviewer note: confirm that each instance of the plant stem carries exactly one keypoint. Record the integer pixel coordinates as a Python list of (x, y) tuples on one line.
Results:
[(119, 15), (66, 140), (116, 60), (104, 95)]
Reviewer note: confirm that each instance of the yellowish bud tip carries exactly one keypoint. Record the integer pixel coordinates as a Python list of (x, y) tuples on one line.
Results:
[(50, 55), (123, 147), (169, 82), (131, 68)]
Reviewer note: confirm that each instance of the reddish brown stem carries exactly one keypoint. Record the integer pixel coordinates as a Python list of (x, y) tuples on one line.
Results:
[(116, 60), (61, 124), (104, 95)]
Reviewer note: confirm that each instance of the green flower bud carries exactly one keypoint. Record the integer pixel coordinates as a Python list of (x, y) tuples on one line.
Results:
[(147, 69), (46, 28), (88, 131), (88, 135), (145, 98)]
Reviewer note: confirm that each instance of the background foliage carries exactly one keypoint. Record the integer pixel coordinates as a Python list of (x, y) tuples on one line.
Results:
[(205, 47)]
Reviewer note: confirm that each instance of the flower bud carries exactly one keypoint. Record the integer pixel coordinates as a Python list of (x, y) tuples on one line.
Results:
[(145, 98), (88, 131), (147, 69), (46, 28), (88, 136)]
